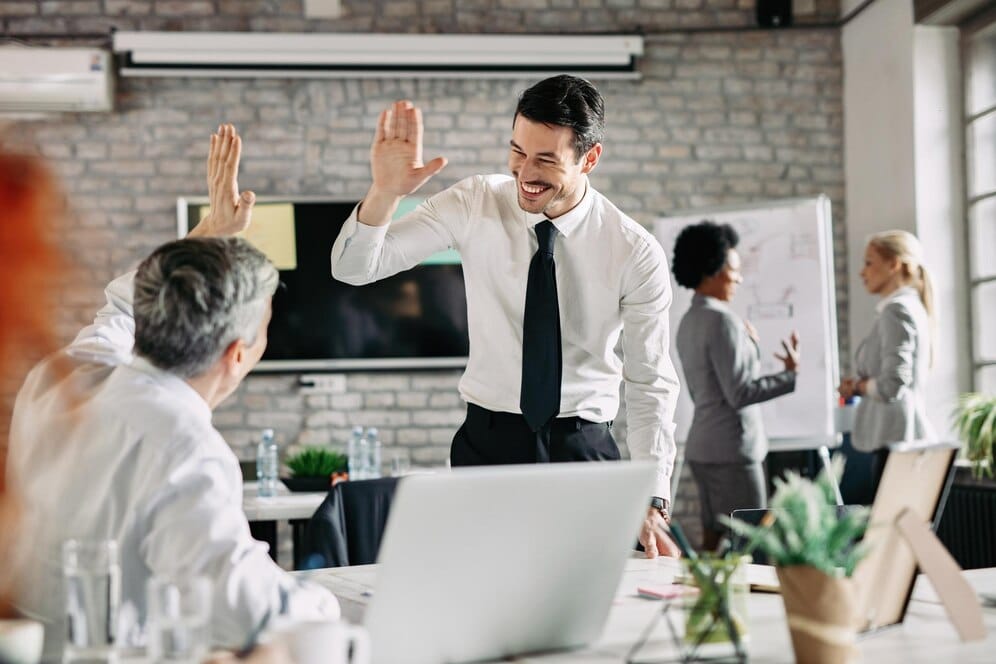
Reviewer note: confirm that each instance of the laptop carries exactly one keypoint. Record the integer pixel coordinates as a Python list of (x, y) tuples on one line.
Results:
[(486, 563)]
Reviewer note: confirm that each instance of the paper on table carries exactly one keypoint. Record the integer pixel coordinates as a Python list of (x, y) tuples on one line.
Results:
[(762, 578), (272, 232)]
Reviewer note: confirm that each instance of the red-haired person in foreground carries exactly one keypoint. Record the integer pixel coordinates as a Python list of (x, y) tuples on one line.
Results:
[(30, 200)]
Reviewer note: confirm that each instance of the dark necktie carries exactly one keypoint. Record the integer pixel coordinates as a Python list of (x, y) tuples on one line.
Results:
[(542, 361)]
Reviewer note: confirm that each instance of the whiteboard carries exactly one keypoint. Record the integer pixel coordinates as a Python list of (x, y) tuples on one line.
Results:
[(788, 285)]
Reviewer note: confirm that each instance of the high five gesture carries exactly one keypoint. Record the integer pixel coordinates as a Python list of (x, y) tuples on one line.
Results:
[(396, 162), (230, 211)]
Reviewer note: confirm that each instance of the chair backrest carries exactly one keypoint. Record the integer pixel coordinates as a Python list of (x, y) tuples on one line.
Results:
[(347, 527)]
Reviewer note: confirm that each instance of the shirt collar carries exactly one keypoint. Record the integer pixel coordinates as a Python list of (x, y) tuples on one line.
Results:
[(568, 221), (175, 385), (895, 295), (706, 301)]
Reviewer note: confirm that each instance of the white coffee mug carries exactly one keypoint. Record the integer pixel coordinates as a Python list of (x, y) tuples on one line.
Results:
[(335, 642), (21, 641)]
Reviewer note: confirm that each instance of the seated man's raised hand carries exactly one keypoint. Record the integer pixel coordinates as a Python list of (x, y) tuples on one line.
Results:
[(230, 211)]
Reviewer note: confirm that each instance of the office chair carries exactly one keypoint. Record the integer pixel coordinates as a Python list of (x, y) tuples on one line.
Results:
[(347, 527)]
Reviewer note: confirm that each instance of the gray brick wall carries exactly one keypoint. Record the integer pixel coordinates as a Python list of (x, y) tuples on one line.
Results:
[(718, 118), (470, 16)]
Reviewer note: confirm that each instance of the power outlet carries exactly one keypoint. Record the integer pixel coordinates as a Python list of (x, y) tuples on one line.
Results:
[(322, 383)]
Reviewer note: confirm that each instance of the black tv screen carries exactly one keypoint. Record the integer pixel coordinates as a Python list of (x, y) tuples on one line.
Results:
[(415, 319)]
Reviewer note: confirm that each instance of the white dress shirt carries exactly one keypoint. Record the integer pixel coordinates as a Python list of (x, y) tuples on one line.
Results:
[(118, 449), (612, 279)]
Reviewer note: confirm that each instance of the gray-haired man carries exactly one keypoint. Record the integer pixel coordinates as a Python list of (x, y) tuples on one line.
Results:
[(112, 437)]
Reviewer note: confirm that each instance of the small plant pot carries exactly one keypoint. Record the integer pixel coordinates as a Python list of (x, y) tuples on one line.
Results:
[(821, 612)]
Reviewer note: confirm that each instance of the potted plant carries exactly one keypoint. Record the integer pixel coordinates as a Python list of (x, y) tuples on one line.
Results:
[(975, 422), (314, 468), (815, 548)]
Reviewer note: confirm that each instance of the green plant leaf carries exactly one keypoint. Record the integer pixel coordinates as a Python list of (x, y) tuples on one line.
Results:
[(975, 421), (314, 461)]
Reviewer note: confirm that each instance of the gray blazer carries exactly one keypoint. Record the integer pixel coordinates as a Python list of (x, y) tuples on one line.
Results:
[(722, 367), (896, 357)]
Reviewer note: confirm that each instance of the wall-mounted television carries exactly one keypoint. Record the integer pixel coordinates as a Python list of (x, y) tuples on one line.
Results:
[(414, 320)]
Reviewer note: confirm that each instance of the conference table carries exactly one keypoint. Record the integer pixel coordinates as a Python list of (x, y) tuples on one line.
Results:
[(925, 636), (263, 513)]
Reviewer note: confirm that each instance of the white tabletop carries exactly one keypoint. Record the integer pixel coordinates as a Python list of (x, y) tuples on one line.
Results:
[(925, 636), (284, 505)]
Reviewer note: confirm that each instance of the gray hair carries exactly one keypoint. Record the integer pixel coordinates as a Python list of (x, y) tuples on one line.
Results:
[(194, 297)]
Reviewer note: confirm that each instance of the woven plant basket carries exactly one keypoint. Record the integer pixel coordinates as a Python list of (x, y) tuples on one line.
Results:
[(821, 615)]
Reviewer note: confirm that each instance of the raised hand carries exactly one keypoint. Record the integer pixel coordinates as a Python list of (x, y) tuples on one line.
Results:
[(396, 153), (791, 357), (230, 212)]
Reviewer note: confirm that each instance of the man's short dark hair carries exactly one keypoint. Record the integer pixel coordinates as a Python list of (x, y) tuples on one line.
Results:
[(700, 251), (566, 101)]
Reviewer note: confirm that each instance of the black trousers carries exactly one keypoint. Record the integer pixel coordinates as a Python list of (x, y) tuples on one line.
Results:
[(488, 437), (879, 459)]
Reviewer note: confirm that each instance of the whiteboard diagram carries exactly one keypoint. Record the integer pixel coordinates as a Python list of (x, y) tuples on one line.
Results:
[(787, 266)]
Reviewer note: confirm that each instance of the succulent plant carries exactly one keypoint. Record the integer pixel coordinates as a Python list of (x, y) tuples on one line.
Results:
[(805, 527), (315, 461)]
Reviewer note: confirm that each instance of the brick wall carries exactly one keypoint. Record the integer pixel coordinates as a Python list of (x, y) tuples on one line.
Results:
[(718, 118), (471, 16)]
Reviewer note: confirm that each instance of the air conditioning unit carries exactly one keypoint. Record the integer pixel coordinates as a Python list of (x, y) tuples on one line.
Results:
[(53, 79), (352, 55)]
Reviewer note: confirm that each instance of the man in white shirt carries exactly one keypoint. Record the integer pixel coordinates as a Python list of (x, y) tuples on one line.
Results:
[(554, 275), (111, 437)]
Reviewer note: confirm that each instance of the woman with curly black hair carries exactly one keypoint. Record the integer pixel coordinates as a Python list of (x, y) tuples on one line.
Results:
[(722, 364)]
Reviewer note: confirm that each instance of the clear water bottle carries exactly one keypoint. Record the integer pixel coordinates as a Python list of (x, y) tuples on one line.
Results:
[(373, 453), (267, 464), (362, 457), (356, 462)]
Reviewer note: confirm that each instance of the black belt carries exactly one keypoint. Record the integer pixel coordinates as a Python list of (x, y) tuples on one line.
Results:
[(558, 424)]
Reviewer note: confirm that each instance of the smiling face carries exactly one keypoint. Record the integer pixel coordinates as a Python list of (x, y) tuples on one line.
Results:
[(549, 176), (723, 284)]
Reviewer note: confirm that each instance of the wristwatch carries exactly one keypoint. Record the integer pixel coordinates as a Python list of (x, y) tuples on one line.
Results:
[(662, 506)]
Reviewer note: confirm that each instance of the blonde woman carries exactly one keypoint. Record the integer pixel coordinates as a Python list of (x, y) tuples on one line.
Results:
[(893, 360)]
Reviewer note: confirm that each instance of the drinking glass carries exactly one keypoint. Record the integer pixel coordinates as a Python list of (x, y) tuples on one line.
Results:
[(179, 619), (400, 465), (92, 578)]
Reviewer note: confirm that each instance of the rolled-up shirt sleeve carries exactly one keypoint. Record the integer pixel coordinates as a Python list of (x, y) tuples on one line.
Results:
[(362, 254), (649, 375), (110, 338)]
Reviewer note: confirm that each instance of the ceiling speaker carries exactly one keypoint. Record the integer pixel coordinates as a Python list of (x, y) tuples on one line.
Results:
[(774, 13)]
